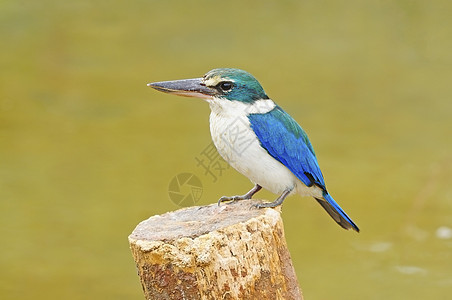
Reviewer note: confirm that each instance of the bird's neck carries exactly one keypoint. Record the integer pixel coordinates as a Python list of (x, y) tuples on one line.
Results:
[(224, 107)]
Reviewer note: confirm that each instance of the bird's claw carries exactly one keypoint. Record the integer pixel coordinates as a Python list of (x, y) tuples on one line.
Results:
[(267, 205), (258, 205), (263, 205), (232, 199), (226, 198)]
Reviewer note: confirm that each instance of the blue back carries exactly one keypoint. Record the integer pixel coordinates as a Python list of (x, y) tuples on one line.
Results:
[(286, 141)]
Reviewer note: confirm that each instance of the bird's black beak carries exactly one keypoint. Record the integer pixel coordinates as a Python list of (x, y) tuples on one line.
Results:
[(186, 87)]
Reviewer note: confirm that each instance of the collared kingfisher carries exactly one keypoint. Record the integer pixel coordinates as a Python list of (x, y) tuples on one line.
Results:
[(258, 138)]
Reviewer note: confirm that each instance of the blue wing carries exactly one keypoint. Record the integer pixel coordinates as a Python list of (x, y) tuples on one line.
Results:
[(286, 141)]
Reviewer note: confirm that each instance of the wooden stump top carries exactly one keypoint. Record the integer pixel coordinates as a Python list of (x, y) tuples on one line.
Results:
[(195, 221), (231, 251)]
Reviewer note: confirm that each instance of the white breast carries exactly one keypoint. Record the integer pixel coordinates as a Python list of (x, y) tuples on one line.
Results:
[(238, 145)]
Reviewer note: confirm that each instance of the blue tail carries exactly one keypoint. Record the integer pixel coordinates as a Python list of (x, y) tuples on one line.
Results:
[(336, 212)]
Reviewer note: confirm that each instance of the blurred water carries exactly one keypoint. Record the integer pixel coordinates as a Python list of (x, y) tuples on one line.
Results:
[(87, 150)]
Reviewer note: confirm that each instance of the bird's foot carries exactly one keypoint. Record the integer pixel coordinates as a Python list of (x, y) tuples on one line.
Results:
[(233, 198), (247, 196), (275, 203), (268, 204)]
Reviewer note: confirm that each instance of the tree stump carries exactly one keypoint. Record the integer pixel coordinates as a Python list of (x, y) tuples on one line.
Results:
[(232, 251)]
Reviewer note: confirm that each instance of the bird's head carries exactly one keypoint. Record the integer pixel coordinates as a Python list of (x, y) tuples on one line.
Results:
[(225, 83)]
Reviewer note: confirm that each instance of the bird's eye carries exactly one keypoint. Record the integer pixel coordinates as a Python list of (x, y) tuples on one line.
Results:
[(225, 85)]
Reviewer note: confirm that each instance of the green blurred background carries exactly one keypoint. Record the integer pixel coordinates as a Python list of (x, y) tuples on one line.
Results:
[(87, 150)]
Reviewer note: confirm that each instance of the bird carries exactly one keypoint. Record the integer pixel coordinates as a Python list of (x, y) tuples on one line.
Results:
[(258, 139)]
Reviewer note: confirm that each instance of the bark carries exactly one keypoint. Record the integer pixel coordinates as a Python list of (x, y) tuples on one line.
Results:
[(232, 251)]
